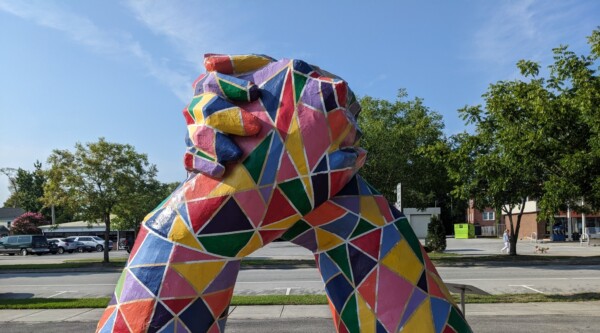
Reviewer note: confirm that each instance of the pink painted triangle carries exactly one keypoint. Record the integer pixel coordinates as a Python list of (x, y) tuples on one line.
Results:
[(384, 208), (183, 254), (311, 122), (176, 286), (252, 204), (286, 169), (391, 301)]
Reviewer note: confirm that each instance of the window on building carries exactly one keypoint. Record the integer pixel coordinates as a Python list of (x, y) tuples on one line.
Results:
[(488, 216)]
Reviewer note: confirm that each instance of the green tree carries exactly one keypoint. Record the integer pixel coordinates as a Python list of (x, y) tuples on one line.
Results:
[(436, 235), (535, 138), (27, 189), (397, 136), (96, 180)]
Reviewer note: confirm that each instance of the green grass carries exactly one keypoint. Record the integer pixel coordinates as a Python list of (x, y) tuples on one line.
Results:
[(74, 303)]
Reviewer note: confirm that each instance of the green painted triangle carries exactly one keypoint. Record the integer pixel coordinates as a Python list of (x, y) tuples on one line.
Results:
[(294, 190), (340, 256), (193, 103), (119, 287), (203, 155), (350, 315), (226, 245), (233, 92), (299, 82), (297, 229), (256, 160), (362, 227), (409, 235), (458, 322)]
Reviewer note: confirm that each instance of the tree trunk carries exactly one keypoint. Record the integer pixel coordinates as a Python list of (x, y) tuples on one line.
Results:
[(514, 232), (106, 236)]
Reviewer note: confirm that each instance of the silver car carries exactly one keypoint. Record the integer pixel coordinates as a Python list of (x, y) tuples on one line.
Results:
[(63, 245), (95, 241)]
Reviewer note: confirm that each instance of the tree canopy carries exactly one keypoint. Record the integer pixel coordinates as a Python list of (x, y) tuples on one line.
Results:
[(28, 223), (97, 179), (397, 136)]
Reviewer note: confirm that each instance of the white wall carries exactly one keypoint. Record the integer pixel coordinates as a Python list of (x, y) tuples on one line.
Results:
[(419, 219)]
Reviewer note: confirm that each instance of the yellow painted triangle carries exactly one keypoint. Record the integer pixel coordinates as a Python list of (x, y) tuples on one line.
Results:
[(228, 121), (254, 244), (182, 235), (365, 315), (197, 110), (236, 180), (327, 240), (295, 147), (369, 210), (309, 191), (402, 260), (421, 320), (199, 275), (283, 224)]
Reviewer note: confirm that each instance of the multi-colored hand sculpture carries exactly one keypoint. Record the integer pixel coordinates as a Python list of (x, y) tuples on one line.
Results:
[(294, 134)]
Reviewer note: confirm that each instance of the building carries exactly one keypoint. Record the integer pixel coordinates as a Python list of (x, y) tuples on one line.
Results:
[(486, 219), (83, 228), (8, 215)]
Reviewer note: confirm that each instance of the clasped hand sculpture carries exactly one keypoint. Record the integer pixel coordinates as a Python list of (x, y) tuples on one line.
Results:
[(294, 136)]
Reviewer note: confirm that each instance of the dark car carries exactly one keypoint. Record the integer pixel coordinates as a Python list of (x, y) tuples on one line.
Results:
[(82, 247), (53, 247), (24, 244)]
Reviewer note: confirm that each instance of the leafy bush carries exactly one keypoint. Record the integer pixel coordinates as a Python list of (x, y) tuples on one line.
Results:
[(436, 235), (28, 223)]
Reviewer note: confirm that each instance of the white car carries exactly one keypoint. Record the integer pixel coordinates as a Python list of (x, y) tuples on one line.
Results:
[(63, 245), (94, 241)]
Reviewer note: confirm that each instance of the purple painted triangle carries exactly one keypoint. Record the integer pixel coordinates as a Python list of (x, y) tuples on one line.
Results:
[(113, 300), (350, 203), (416, 299), (226, 278), (133, 290), (181, 327), (266, 192), (307, 240)]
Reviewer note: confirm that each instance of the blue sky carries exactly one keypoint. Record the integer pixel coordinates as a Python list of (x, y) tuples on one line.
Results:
[(74, 71)]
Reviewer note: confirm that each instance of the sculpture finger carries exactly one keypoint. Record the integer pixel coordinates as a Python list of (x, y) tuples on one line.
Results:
[(235, 64), (227, 86), (212, 110)]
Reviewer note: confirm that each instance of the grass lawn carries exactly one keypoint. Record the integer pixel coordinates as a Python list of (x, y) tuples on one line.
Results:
[(72, 303)]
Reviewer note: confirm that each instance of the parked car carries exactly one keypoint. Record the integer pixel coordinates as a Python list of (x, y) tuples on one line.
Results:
[(63, 245), (95, 241), (24, 244), (52, 247), (81, 247)]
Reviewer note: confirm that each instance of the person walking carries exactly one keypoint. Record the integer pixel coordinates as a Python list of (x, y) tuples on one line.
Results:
[(506, 242)]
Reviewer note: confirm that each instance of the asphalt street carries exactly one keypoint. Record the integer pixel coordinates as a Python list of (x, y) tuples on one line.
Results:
[(555, 279)]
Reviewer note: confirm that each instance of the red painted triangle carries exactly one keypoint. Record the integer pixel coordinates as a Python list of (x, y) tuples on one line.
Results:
[(218, 302), (448, 329), (368, 289), (138, 241), (176, 286), (176, 305), (214, 328), (338, 180), (369, 243), (137, 314), (199, 187), (183, 254), (120, 324), (384, 208), (434, 289), (342, 327), (270, 235), (200, 211), (286, 107), (279, 208), (287, 171)]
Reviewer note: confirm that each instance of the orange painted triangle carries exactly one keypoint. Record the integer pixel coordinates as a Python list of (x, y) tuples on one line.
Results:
[(137, 314), (200, 211), (107, 313), (369, 242), (278, 209), (176, 305), (326, 213), (200, 187), (120, 324), (368, 289), (286, 170), (270, 235), (218, 302)]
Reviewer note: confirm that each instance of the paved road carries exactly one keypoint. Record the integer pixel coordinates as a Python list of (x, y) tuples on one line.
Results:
[(554, 279)]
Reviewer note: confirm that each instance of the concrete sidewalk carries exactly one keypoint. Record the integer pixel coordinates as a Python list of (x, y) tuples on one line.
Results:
[(591, 309)]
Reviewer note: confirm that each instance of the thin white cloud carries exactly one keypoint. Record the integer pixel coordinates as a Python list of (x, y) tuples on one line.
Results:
[(528, 29), (85, 32)]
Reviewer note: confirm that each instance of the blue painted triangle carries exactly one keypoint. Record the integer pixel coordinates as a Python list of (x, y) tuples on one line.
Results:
[(271, 93)]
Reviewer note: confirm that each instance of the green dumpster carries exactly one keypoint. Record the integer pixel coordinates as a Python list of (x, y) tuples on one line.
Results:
[(464, 230)]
